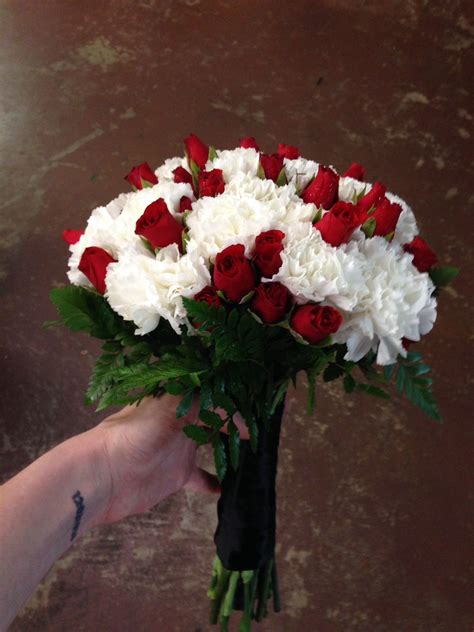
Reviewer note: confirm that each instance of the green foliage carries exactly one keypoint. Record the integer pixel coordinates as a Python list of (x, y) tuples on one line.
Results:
[(442, 276), (411, 379)]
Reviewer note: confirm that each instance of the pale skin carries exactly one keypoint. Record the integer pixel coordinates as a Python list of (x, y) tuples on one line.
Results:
[(125, 465)]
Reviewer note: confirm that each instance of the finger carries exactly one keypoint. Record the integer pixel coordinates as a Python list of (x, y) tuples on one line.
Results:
[(203, 482)]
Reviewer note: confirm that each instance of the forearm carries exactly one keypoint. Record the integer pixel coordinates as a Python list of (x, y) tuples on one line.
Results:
[(44, 509)]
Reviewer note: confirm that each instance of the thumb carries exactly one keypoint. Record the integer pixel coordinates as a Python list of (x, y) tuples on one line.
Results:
[(202, 481)]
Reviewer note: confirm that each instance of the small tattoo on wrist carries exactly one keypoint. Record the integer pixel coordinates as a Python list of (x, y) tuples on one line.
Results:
[(80, 507)]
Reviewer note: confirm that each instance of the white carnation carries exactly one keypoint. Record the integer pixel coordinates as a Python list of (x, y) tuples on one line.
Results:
[(144, 289), (300, 171), (350, 189), (315, 271), (407, 228), (164, 173), (398, 304), (235, 161)]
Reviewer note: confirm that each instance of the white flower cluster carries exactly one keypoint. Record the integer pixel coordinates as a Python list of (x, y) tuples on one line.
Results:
[(382, 296)]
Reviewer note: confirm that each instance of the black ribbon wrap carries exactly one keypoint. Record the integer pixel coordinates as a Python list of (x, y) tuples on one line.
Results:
[(246, 510)]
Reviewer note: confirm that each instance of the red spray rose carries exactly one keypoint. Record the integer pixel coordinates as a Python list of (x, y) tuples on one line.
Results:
[(270, 302), (141, 176), (211, 183), (268, 246), (181, 175), (93, 264), (323, 190), (355, 171), (185, 204), (233, 273), (371, 199), (272, 164), (158, 226), (249, 142), (386, 216), (208, 295), (315, 322), (71, 236), (423, 257), (288, 151), (196, 150), (339, 223)]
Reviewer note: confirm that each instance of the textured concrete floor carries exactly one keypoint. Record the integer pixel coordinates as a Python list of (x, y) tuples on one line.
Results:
[(374, 520)]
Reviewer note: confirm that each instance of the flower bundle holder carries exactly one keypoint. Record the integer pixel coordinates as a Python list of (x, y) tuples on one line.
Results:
[(219, 278)]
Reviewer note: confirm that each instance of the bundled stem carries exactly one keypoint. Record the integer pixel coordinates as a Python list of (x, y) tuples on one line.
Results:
[(256, 587)]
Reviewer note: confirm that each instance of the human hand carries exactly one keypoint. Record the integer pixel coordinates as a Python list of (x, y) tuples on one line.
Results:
[(148, 457)]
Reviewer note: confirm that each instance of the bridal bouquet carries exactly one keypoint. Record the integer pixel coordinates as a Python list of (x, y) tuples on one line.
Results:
[(220, 277)]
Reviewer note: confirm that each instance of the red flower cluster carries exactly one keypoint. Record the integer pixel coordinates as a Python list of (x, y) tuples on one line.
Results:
[(141, 176)]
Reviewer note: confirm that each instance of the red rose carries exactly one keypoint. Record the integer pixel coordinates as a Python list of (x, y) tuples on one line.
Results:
[(233, 273), (288, 151), (323, 190), (71, 236), (268, 246), (196, 150), (208, 295), (407, 343), (211, 183), (93, 264), (158, 226), (185, 204), (355, 171), (423, 257), (386, 216), (141, 176), (181, 175), (371, 199), (339, 223), (315, 322), (272, 164), (271, 301), (249, 142)]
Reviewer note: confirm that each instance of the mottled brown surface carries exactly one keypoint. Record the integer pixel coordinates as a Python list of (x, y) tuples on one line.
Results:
[(374, 499)]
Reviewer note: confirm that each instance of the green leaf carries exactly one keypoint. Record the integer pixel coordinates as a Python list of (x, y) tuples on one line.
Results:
[(369, 226), (389, 370), (443, 275), (260, 171), (85, 310), (185, 405), (220, 458), (224, 401), (279, 396), (174, 388), (281, 180), (234, 444), (332, 372), (372, 390), (196, 433), (211, 419), (349, 383), (212, 153)]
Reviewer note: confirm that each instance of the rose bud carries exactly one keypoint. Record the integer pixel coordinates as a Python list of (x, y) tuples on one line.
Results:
[(266, 254), (185, 204), (233, 273), (141, 176), (71, 236), (272, 164), (158, 226), (337, 226), (386, 216), (211, 183), (249, 142), (323, 190), (407, 343), (196, 150), (315, 322), (423, 257), (355, 171), (271, 302), (181, 175), (371, 199), (207, 295), (288, 151), (93, 265)]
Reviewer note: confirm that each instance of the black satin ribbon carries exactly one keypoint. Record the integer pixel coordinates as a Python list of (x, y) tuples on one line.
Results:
[(245, 534)]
